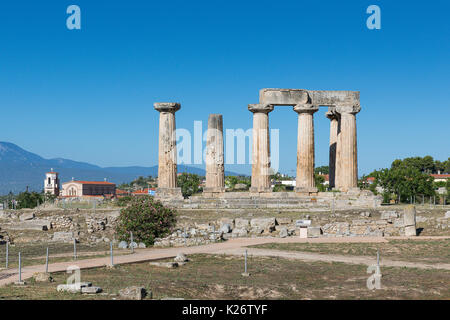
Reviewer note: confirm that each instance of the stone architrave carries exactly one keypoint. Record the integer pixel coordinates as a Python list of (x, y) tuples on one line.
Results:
[(261, 148), (348, 163), (215, 173), (167, 164), (305, 148), (331, 114)]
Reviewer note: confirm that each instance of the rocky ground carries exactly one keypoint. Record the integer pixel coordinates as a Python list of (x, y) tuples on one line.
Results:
[(204, 226)]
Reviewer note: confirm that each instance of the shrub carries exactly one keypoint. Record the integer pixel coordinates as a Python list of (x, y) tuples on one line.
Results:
[(279, 188), (147, 219)]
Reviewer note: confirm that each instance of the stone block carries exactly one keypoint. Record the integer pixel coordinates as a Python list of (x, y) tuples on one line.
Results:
[(225, 228), (267, 224), (284, 221), (240, 232), (385, 215), (410, 231), (409, 216), (63, 236), (91, 290), (314, 232), (27, 216), (181, 257), (42, 277), (241, 223), (39, 225), (132, 293)]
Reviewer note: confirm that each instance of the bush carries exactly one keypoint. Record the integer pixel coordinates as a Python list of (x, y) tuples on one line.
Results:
[(189, 183), (279, 188), (147, 219)]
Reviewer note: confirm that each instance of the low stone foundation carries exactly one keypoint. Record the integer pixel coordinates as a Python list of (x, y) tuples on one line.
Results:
[(360, 199)]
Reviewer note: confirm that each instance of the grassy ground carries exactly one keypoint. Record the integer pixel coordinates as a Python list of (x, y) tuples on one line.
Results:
[(430, 251), (219, 277), (33, 254)]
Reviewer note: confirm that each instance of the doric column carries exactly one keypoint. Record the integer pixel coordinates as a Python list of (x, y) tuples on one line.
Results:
[(215, 174), (305, 148), (348, 166), (331, 114), (167, 164), (337, 179), (261, 148)]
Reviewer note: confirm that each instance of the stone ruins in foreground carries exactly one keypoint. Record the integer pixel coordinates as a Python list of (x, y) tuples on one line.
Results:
[(342, 109)]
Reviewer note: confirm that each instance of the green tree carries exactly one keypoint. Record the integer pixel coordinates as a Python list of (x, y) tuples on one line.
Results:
[(189, 183), (404, 181), (322, 170), (147, 219), (29, 200)]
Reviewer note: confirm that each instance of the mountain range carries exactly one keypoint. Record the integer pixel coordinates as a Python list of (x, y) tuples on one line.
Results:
[(20, 169)]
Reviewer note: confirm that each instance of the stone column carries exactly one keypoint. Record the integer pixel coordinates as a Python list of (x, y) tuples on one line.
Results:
[(167, 165), (261, 148), (331, 114), (215, 174), (348, 166), (337, 179), (305, 148)]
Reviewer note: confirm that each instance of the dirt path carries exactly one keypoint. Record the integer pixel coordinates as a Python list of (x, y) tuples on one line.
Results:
[(233, 247), (308, 256)]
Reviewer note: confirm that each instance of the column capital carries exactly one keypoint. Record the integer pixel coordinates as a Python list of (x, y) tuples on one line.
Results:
[(349, 109), (331, 113), (306, 108), (260, 108), (167, 106)]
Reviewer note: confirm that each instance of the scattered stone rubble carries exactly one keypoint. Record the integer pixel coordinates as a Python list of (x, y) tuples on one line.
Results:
[(79, 287)]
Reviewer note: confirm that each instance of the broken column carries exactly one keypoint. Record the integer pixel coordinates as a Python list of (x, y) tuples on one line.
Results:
[(331, 114), (167, 161), (261, 148), (215, 172), (409, 221), (347, 151), (305, 148)]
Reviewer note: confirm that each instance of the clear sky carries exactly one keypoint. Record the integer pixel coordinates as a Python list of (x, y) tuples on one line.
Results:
[(88, 94)]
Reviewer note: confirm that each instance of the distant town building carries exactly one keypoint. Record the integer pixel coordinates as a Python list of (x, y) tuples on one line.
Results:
[(440, 177), (51, 183), (88, 188)]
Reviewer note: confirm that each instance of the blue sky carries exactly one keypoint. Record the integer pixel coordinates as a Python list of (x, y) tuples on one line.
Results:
[(88, 94)]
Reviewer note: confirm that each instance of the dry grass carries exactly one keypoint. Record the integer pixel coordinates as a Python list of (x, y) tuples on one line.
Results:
[(430, 251), (219, 277)]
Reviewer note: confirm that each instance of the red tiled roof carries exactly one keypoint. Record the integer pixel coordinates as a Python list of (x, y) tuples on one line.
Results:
[(370, 179), (93, 182), (440, 176), (145, 191)]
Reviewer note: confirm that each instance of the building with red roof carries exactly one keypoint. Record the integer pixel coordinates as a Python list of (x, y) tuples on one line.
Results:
[(76, 188)]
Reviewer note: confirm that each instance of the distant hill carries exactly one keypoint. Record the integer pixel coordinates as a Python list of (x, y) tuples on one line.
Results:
[(20, 168)]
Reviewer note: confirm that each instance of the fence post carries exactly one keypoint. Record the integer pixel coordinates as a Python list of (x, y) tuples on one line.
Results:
[(20, 268), (245, 262), (46, 261), (74, 249), (131, 243), (111, 253), (7, 254)]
